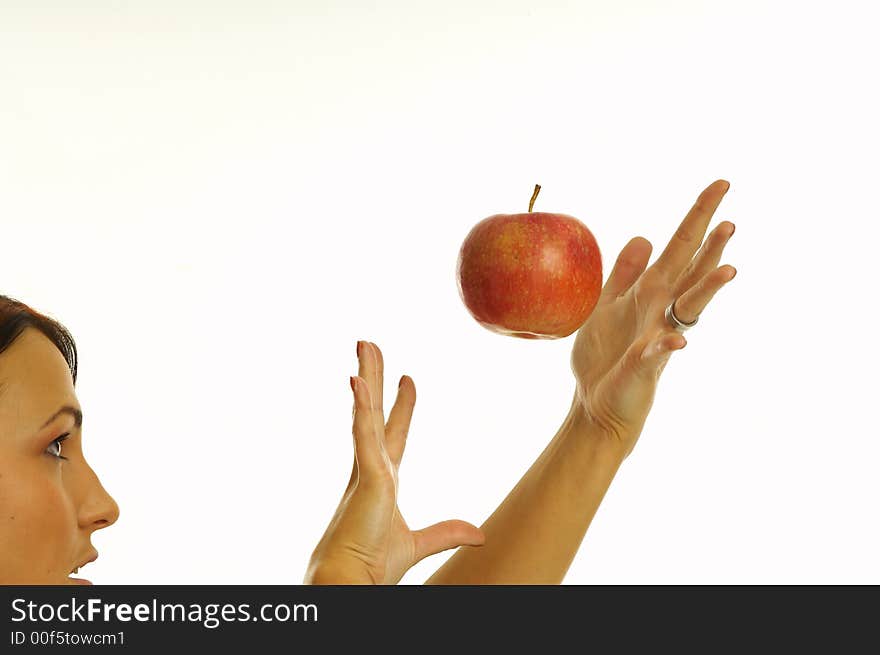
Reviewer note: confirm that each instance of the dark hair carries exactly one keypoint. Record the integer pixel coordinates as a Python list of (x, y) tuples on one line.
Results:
[(15, 316)]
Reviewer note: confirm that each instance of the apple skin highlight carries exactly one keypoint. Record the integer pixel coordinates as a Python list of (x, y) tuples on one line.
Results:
[(535, 275)]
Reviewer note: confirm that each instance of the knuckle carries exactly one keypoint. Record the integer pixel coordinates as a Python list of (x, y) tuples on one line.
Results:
[(684, 233)]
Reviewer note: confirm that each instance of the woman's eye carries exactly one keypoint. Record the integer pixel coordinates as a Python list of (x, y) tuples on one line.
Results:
[(54, 448)]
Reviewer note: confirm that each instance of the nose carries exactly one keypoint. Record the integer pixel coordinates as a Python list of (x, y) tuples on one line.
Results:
[(97, 509)]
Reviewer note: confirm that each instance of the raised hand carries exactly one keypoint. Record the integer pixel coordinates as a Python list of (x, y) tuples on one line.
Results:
[(622, 348), (368, 541)]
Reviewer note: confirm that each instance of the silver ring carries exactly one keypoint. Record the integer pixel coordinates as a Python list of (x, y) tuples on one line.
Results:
[(675, 322)]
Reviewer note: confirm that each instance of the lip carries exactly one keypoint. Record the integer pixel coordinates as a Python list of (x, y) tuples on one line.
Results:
[(90, 558)]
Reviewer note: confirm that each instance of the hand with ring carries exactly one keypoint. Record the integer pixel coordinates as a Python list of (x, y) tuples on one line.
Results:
[(622, 348)]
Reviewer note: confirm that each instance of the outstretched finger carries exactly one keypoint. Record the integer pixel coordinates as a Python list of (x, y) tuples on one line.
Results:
[(368, 445), (371, 367), (693, 301), (397, 428), (690, 233), (630, 264), (707, 258)]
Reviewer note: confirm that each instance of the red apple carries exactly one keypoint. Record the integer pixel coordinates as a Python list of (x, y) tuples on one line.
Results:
[(536, 275)]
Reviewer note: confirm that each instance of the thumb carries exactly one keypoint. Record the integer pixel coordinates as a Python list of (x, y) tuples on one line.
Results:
[(445, 535)]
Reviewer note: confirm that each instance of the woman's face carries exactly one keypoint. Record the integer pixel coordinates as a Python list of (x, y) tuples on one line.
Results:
[(49, 507)]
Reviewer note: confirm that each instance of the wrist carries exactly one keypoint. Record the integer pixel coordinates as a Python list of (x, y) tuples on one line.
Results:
[(581, 427)]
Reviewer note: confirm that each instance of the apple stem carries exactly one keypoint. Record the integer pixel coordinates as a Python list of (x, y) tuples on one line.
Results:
[(534, 195)]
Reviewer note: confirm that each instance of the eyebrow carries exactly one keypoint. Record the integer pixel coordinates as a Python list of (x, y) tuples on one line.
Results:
[(67, 409)]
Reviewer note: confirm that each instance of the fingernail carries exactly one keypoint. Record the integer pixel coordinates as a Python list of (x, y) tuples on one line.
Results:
[(400, 384), (358, 349), (353, 382)]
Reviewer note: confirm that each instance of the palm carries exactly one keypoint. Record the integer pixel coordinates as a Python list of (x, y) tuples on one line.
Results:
[(615, 386), (385, 544), (403, 547), (604, 338), (391, 550), (598, 361)]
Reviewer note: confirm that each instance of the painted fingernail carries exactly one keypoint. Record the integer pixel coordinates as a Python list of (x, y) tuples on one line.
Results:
[(358, 349), (353, 382)]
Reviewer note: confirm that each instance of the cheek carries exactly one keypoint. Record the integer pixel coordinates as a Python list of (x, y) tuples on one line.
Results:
[(38, 526)]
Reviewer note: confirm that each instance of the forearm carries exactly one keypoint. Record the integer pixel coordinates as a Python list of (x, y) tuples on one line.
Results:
[(534, 534)]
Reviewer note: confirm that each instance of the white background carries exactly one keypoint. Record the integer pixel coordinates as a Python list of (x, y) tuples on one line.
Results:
[(219, 198)]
